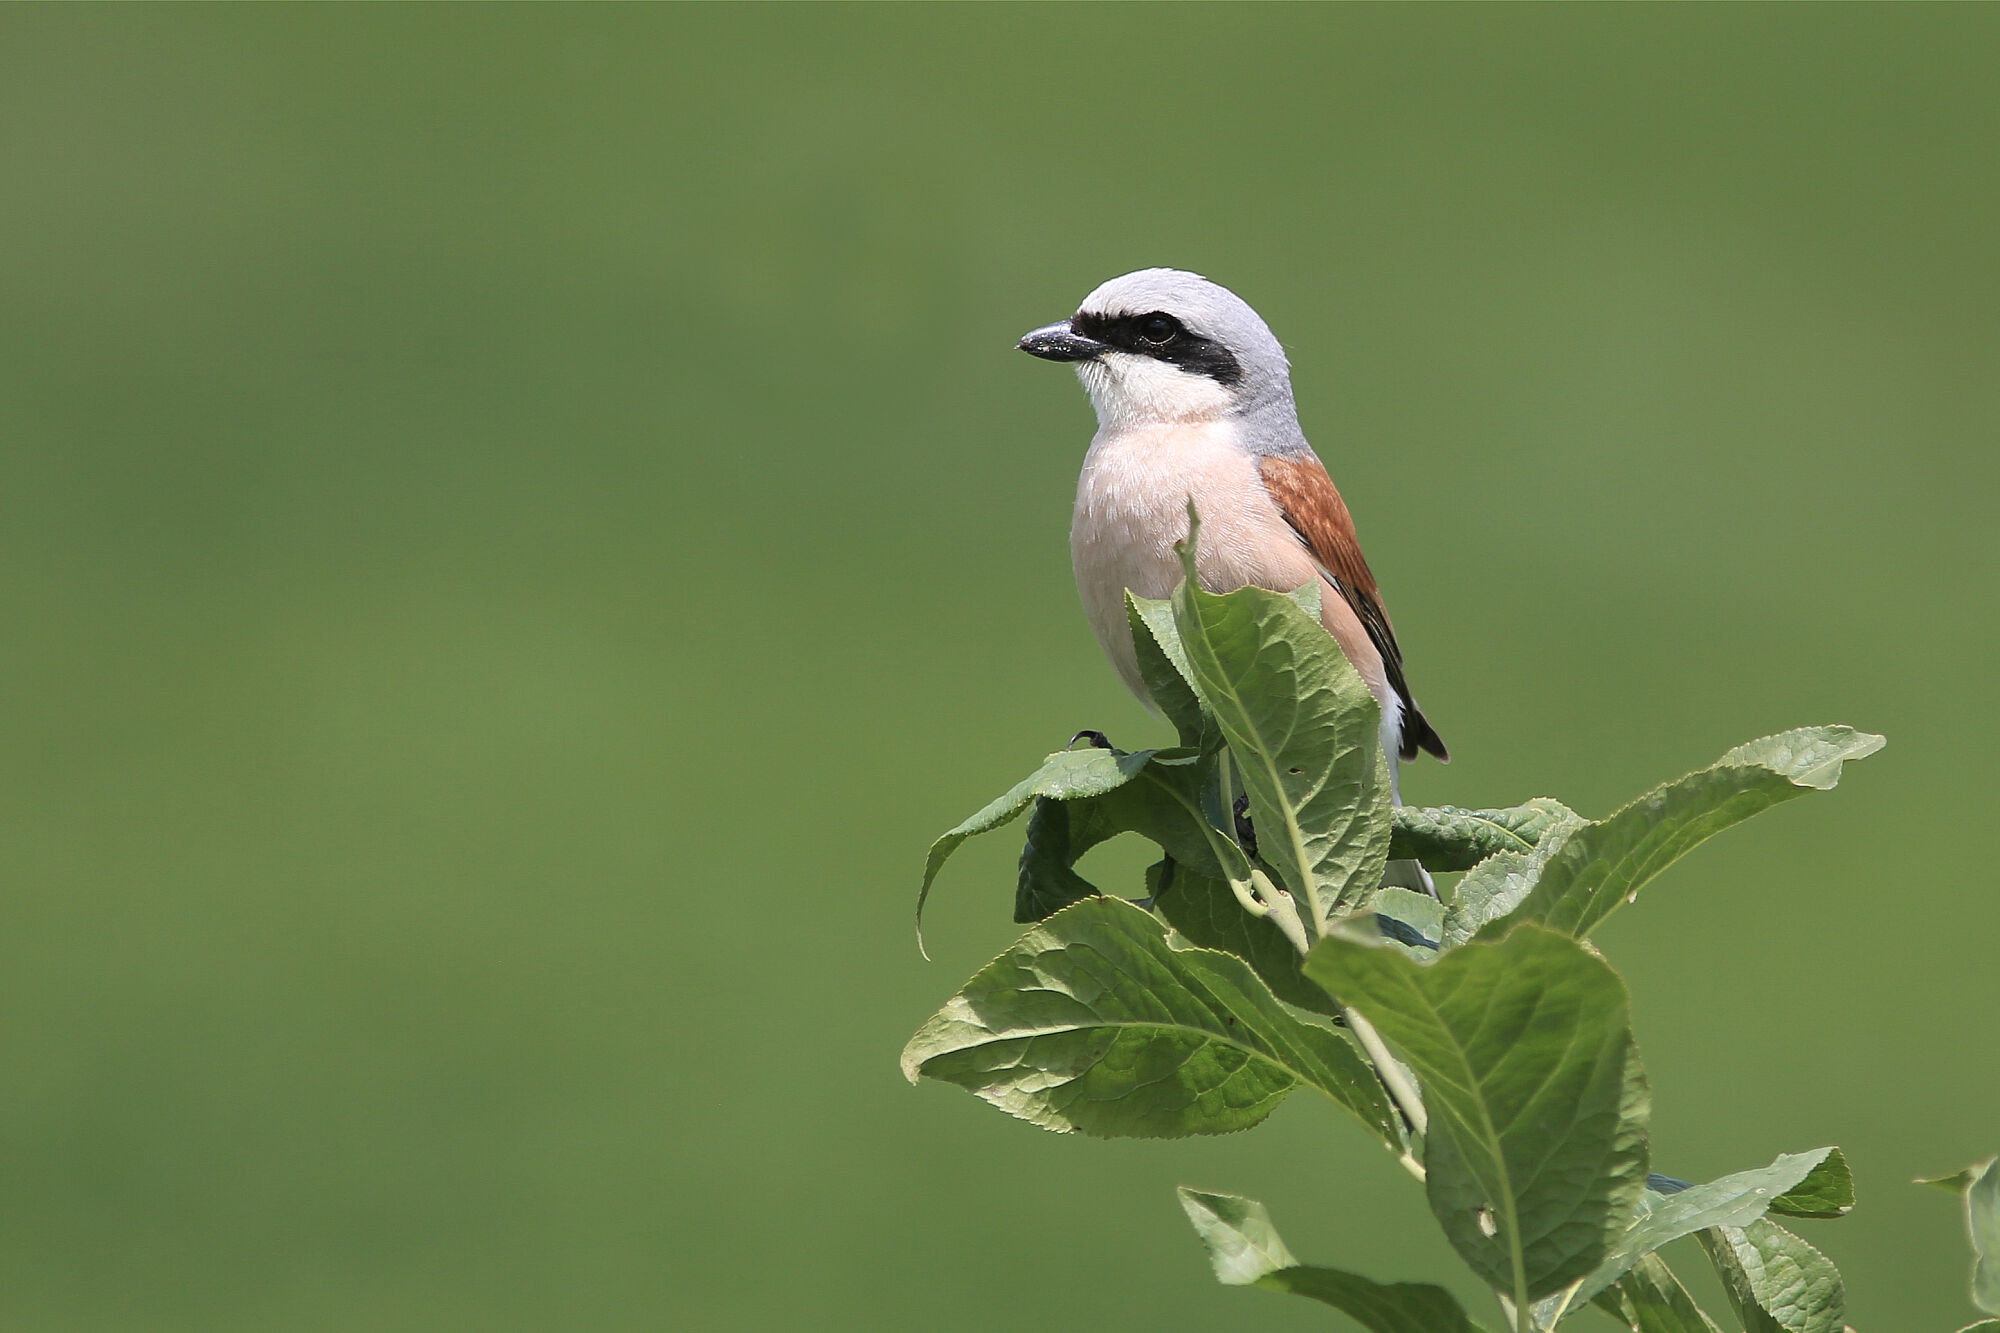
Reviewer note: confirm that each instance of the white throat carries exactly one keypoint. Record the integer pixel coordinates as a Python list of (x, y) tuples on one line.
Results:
[(1130, 390)]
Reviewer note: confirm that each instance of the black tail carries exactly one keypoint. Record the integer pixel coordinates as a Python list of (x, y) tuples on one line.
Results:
[(1419, 734)]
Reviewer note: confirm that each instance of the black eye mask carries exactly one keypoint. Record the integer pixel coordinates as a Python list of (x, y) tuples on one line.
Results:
[(1159, 335)]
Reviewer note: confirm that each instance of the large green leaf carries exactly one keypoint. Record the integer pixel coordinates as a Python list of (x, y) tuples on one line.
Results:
[(1605, 864), (1447, 838), (1302, 728), (1245, 1250), (1777, 1282), (1536, 1153), (1650, 1299), (1205, 911), (1579, 871), (1735, 1200), (1092, 1022)]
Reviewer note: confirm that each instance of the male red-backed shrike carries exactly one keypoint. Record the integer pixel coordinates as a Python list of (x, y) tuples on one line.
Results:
[(1194, 401)]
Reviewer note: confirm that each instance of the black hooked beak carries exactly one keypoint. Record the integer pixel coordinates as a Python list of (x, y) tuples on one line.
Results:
[(1058, 342)]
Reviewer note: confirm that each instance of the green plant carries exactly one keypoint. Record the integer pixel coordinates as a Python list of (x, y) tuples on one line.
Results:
[(1480, 1038), (1979, 1186)]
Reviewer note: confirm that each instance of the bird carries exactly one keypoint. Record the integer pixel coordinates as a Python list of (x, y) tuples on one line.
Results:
[(1193, 395)]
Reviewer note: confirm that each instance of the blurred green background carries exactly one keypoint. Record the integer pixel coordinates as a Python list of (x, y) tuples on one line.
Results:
[(520, 524)]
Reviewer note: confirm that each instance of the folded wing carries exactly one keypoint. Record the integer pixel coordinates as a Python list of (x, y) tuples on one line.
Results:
[(1311, 504)]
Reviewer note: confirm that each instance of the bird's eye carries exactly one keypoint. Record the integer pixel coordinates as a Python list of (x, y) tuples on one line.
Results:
[(1158, 329)]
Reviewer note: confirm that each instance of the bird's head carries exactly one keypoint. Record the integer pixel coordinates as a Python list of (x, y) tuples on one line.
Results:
[(1161, 345)]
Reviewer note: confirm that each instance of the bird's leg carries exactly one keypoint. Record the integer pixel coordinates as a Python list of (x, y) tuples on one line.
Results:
[(1097, 739)]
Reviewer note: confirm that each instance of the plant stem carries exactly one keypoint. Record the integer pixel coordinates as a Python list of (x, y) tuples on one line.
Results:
[(1401, 1091), (1524, 1309), (1520, 1313), (1562, 1307), (1309, 891), (1390, 1072), (1260, 897), (1313, 905), (1217, 843), (1283, 910), (1225, 787)]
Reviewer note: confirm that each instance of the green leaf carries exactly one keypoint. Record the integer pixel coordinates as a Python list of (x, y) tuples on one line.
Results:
[(1827, 1192), (1979, 1185), (1400, 919), (1581, 871), (1205, 912), (1447, 838), (1605, 864), (1059, 833), (1410, 920), (1161, 802), (1242, 1244), (1092, 1022), (1736, 1200), (1956, 1183), (1245, 1250), (1982, 1219), (1496, 886), (1983, 1326), (1063, 776), (1303, 730), (1083, 797), (1163, 665), (1650, 1299), (1536, 1155), (1777, 1282)]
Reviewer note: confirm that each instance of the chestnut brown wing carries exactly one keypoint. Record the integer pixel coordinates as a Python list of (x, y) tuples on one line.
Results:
[(1311, 503)]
